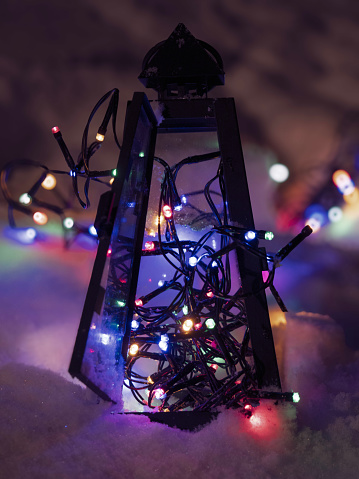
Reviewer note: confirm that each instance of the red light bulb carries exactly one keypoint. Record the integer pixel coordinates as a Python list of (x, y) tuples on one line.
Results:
[(139, 302), (55, 129), (149, 246), (167, 211)]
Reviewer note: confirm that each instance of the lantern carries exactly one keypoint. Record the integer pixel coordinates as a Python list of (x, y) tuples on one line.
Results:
[(181, 187)]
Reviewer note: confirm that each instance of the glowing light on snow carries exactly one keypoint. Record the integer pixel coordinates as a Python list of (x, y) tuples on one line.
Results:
[(105, 339), (255, 420)]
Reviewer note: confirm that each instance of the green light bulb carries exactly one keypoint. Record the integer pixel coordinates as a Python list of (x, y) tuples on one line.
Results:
[(141, 154), (296, 397), (121, 303), (269, 235), (185, 310), (114, 172), (210, 323)]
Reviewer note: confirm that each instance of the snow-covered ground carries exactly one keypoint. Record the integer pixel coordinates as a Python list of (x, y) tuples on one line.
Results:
[(53, 427)]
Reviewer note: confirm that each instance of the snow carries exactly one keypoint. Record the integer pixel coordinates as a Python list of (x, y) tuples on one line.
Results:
[(51, 426)]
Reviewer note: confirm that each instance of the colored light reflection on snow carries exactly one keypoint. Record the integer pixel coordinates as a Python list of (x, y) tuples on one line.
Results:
[(265, 421), (105, 339)]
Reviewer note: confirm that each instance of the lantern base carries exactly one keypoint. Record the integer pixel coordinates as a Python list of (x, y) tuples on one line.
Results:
[(184, 420)]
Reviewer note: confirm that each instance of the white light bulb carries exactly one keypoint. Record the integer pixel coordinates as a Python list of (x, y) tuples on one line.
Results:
[(68, 223), (25, 199), (92, 230), (279, 173), (335, 214), (192, 261), (250, 235)]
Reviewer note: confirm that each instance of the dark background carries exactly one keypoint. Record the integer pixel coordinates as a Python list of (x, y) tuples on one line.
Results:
[(291, 67)]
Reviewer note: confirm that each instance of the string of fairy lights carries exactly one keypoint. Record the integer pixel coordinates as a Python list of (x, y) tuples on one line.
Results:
[(30, 202), (197, 343), (190, 333)]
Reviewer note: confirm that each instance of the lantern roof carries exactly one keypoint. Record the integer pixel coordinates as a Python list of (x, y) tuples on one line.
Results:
[(182, 66)]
